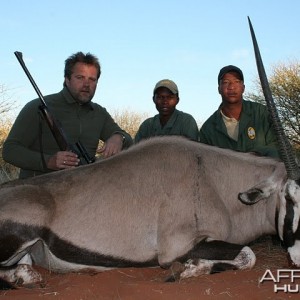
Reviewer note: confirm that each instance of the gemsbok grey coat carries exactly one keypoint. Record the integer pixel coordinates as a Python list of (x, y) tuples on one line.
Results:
[(164, 200)]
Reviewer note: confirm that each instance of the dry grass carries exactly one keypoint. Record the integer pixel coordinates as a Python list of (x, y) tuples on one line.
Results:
[(269, 252)]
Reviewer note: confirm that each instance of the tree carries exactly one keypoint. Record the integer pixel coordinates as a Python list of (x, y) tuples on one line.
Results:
[(285, 86), (6, 102), (128, 120), (7, 171)]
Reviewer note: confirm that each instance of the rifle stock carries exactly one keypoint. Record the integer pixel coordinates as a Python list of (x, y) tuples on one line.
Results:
[(55, 127)]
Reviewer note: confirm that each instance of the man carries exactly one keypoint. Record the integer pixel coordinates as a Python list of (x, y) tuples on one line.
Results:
[(238, 124), (169, 120), (30, 144)]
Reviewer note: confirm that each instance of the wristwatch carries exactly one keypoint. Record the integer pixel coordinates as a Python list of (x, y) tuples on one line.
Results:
[(123, 137)]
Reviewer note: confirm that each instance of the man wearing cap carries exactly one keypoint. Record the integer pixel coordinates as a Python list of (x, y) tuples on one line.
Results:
[(169, 120), (238, 124)]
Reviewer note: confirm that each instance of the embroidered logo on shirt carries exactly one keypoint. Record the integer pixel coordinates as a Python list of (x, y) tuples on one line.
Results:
[(251, 133)]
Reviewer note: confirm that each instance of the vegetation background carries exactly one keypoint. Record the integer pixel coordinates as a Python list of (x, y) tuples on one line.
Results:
[(284, 81)]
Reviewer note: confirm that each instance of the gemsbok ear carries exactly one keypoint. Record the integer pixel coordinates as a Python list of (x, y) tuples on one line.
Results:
[(260, 191)]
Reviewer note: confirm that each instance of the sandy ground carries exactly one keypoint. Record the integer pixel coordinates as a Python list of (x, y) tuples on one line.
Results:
[(148, 283)]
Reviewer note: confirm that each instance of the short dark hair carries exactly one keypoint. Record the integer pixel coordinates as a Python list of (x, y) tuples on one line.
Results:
[(87, 58)]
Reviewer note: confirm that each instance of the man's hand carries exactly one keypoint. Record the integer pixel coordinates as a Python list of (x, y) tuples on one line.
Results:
[(112, 146), (63, 160)]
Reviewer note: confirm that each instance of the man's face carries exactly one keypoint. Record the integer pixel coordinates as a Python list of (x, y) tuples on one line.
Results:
[(165, 101), (83, 82), (231, 88)]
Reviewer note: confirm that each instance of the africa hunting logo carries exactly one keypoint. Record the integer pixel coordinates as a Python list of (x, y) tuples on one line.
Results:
[(284, 280)]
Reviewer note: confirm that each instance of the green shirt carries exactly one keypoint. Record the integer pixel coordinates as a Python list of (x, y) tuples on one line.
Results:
[(86, 123), (255, 131), (180, 123)]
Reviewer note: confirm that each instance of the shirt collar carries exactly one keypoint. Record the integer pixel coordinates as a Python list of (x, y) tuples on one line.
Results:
[(70, 99)]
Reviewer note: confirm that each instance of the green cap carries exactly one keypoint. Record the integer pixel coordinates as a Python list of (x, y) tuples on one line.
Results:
[(167, 83)]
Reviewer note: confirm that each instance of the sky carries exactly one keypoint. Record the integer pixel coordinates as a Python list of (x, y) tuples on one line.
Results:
[(140, 42)]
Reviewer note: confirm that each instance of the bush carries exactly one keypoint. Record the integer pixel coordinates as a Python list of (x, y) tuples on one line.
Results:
[(7, 171)]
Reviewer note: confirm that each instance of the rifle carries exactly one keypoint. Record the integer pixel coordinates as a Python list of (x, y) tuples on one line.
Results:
[(54, 125)]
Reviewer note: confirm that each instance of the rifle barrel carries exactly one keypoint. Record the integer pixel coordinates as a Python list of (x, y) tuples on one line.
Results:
[(19, 56)]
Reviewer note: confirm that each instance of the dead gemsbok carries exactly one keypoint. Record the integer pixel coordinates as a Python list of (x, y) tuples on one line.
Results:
[(162, 201)]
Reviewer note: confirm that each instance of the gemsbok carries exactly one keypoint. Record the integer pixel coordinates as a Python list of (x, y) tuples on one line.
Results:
[(162, 201)]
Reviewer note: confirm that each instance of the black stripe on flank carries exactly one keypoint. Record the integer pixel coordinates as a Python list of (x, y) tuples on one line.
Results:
[(13, 235)]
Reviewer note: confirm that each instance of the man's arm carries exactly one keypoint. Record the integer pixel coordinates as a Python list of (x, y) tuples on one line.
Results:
[(18, 147)]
